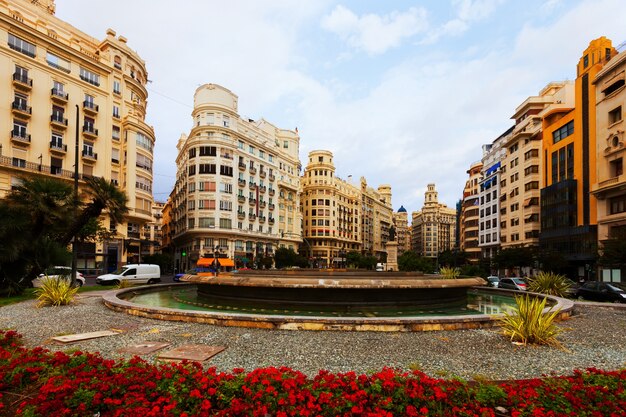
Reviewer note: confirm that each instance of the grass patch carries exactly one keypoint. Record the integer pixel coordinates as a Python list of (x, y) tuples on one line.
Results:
[(29, 294)]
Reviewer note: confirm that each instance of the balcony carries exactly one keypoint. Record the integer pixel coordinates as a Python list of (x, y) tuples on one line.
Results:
[(271, 206), (58, 121), (272, 191), (261, 219), (271, 220), (21, 110), (252, 216), (58, 149), (252, 185), (262, 204), (252, 201), (242, 183), (20, 138), (241, 214), (22, 82), (263, 188), (90, 156), (252, 170), (272, 177), (241, 198), (262, 173), (242, 166), (59, 96), (90, 131), (90, 108)]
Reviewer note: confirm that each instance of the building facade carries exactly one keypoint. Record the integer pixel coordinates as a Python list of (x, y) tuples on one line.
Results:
[(470, 214), (489, 196), (376, 219), (71, 96), (568, 211), (610, 186), (433, 227), (236, 192)]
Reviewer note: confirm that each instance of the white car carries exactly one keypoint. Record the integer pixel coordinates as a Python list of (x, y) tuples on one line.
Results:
[(58, 272)]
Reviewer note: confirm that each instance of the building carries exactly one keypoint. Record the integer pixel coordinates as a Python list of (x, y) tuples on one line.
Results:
[(340, 217), (568, 210), (522, 166), (331, 209), (489, 196), (470, 214), (403, 232), (434, 227), (71, 96), (376, 219), (236, 191), (152, 233), (609, 189)]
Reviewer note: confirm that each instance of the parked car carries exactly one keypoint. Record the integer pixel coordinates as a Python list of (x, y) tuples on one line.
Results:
[(58, 272), (514, 283), (134, 273), (602, 291), (493, 281)]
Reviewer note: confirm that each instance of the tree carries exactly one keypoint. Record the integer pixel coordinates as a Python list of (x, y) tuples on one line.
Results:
[(453, 258), (353, 259), (101, 195), (410, 261), (613, 252)]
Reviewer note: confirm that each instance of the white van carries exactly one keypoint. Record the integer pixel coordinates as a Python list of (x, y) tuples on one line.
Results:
[(380, 267), (133, 273)]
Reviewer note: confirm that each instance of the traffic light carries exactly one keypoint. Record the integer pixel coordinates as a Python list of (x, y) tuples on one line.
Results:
[(184, 253)]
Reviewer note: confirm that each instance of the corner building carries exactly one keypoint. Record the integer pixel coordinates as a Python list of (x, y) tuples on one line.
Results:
[(57, 82), (568, 210), (237, 183), (434, 227)]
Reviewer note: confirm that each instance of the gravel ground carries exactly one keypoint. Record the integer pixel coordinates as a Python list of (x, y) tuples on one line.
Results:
[(594, 337)]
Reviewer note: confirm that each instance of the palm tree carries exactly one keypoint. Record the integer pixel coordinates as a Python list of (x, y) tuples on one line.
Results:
[(101, 195)]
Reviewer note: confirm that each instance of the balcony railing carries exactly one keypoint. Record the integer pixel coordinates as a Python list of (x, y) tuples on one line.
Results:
[(90, 130), (262, 173), (252, 170), (58, 120), (252, 185), (19, 137), (22, 81), (89, 106), (242, 166), (59, 95), (241, 198), (90, 155), (242, 183), (58, 147), (21, 109)]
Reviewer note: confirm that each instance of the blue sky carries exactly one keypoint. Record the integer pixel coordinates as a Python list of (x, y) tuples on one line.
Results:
[(402, 92)]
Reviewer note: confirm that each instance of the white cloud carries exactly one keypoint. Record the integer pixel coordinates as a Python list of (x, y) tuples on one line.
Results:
[(375, 34), (474, 10)]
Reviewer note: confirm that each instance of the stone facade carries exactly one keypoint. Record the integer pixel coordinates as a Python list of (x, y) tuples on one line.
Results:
[(434, 227)]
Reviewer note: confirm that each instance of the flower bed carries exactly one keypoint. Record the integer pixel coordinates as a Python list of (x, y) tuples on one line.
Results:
[(37, 382)]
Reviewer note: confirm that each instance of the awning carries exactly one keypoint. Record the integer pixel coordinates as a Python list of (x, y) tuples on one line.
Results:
[(527, 202), (210, 261)]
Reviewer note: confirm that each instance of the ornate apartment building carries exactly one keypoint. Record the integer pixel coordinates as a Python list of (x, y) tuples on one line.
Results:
[(340, 217), (490, 196), (434, 227), (65, 90), (237, 185), (610, 186), (470, 214)]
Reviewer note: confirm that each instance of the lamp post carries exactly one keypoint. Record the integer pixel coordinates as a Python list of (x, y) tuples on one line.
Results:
[(74, 243)]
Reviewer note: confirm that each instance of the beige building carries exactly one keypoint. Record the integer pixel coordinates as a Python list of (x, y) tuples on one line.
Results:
[(434, 227), (470, 214), (520, 178), (152, 233), (60, 81), (331, 210), (340, 217), (236, 191), (610, 188), (403, 231)]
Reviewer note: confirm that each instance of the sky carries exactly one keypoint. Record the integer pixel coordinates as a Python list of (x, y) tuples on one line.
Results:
[(402, 92)]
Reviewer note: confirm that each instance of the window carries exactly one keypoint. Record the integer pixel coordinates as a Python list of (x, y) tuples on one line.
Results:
[(115, 155), (20, 102), (19, 129), (251, 149), (20, 45), (210, 118), (207, 169), (87, 148), (116, 87), (226, 224), (56, 141), (58, 62), (143, 183), (226, 205), (285, 144), (616, 167), (208, 151), (89, 124), (226, 188), (144, 162), (192, 170), (117, 62), (617, 204), (206, 204), (207, 222), (533, 185), (116, 112), (115, 133), (226, 121), (89, 76), (563, 132), (143, 141), (615, 115), (240, 145), (226, 170), (21, 75)]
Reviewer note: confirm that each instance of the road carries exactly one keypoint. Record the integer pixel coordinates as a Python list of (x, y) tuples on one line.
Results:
[(165, 279)]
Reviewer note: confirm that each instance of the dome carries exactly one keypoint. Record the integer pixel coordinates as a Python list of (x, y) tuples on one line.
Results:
[(401, 209)]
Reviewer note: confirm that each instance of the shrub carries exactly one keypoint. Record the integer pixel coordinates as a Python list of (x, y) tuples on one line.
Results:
[(529, 324), (124, 283), (449, 273), (55, 292), (549, 283)]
